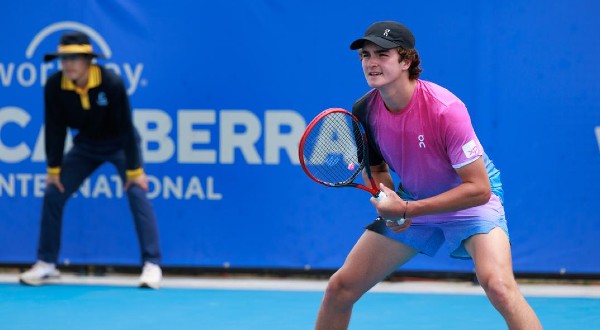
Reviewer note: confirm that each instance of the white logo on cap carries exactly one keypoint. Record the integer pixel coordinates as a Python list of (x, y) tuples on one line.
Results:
[(385, 33)]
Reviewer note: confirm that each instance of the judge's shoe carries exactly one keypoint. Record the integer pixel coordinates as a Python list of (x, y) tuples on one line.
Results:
[(40, 273), (151, 276)]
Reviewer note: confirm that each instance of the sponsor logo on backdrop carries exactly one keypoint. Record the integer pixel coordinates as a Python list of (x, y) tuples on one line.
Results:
[(200, 136), (34, 72)]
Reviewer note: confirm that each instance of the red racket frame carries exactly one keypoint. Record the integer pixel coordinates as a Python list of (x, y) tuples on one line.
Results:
[(364, 164)]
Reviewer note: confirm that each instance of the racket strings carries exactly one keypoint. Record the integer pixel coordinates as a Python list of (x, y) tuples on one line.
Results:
[(334, 149)]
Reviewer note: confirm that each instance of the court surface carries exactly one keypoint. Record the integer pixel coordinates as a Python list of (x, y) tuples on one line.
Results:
[(113, 302)]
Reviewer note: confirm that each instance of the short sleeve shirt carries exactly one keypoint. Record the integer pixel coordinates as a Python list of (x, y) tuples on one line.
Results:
[(425, 143)]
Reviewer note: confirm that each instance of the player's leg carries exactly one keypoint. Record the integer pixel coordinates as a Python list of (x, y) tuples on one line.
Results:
[(493, 265), (372, 259)]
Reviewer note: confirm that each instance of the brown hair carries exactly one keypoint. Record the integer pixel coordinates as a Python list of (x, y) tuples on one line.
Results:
[(413, 56)]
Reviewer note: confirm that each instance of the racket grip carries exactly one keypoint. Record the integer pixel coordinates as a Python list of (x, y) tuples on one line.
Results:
[(380, 196)]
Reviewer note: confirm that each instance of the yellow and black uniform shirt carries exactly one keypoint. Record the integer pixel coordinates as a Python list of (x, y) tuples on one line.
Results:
[(100, 112)]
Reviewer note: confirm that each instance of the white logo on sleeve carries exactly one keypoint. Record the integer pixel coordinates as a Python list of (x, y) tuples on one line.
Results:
[(470, 149)]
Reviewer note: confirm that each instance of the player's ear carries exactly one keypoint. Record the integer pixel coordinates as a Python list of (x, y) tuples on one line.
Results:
[(405, 63)]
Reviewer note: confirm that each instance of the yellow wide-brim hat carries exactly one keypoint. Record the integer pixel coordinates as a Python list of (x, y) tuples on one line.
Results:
[(73, 43)]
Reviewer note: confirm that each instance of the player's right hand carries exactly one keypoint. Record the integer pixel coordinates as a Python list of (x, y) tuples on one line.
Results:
[(54, 179)]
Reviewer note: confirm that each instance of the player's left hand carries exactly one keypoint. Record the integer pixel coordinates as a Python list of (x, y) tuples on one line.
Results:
[(140, 181)]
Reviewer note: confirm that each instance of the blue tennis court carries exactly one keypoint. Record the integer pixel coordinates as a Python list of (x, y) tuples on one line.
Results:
[(85, 306)]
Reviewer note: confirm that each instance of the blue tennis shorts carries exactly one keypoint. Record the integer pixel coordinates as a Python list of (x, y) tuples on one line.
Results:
[(427, 238)]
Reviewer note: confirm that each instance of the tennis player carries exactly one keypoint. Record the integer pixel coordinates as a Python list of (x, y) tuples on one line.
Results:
[(450, 191), (92, 99)]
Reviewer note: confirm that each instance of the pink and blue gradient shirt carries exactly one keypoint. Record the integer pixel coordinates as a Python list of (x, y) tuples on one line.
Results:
[(425, 143)]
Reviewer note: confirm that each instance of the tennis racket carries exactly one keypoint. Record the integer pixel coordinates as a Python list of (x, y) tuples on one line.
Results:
[(333, 151)]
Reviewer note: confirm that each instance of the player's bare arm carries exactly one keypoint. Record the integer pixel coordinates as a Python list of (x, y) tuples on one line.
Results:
[(474, 190), (381, 174)]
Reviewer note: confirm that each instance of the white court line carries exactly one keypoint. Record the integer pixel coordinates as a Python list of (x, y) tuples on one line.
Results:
[(253, 283)]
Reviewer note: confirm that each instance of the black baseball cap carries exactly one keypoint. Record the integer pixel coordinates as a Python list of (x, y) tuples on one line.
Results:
[(387, 35)]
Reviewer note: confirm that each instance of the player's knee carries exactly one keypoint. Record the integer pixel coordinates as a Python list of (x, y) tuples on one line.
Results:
[(499, 290), (340, 289)]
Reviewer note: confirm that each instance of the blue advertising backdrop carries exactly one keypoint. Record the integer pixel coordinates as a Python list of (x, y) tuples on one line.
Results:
[(222, 91)]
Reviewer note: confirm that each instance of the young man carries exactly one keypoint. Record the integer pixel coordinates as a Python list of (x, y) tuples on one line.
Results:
[(449, 192), (87, 97)]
